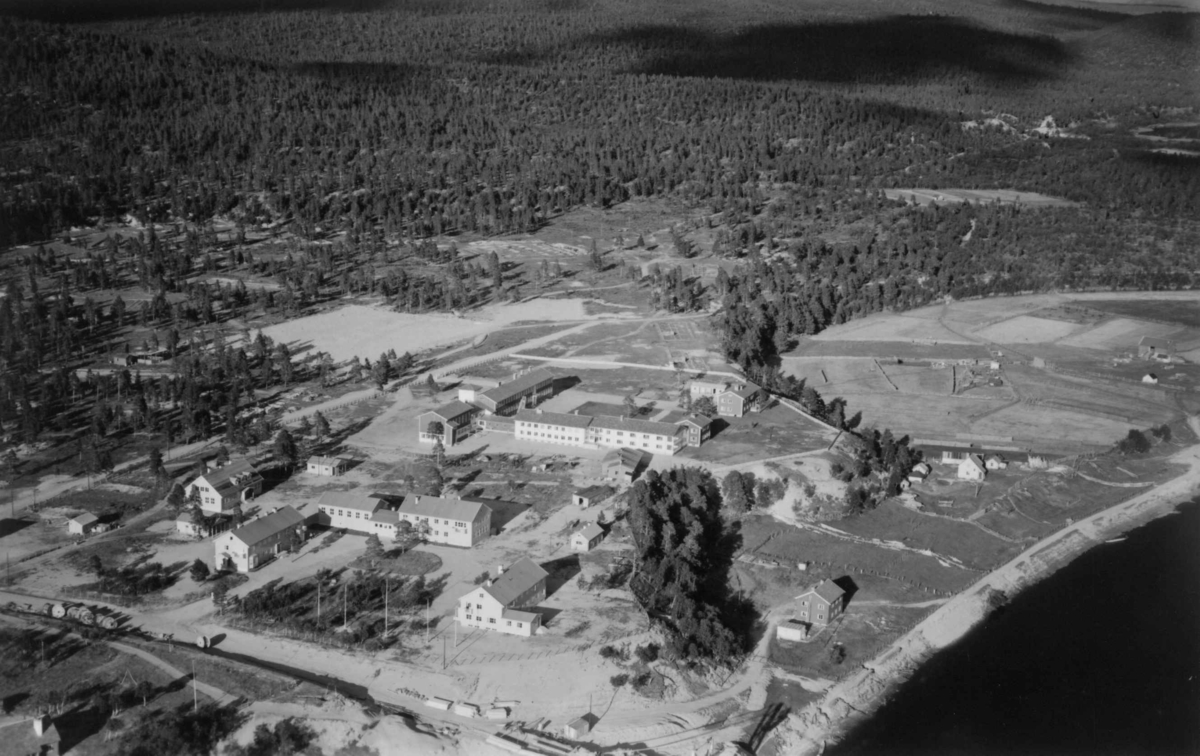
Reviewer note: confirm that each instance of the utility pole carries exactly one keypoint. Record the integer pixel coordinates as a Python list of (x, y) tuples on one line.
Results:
[(318, 603), (427, 603), (443, 652), (195, 698), (385, 605), (344, 615)]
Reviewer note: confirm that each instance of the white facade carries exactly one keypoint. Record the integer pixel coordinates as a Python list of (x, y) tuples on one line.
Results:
[(496, 604), (971, 468), (260, 540), (326, 466), (549, 432), (792, 630), (657, 442), (452, 522)]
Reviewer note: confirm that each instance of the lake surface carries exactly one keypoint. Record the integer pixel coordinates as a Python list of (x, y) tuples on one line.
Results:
[(1103, 657)]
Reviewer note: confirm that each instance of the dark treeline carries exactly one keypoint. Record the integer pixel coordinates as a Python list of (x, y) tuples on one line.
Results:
[(391, 124)]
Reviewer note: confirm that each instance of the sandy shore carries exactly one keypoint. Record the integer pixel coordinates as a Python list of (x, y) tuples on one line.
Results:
[(807, 731)]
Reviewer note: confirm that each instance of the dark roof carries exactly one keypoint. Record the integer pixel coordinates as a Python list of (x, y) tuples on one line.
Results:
[(364, 502), (635, 426), (744, 390), (565, 419), (700, 421), (828, 590), (390, 516), (265, 527), (624, 456), (591, 531), (453, 410), (222, 475), (325, 460), (522, 576), (594, 492), (520, 385), (451, 509)]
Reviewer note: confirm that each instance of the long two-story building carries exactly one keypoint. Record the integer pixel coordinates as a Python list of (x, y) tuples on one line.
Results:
[(531, 388), (454, 522), (609, 432), (353, 510), (502, 603)]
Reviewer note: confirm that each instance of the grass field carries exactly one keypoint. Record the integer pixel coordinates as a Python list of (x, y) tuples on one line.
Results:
[(774, 432), (965, 542), (1184, 313)]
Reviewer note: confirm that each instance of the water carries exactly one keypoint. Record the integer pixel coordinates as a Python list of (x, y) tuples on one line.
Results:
[(1103, 658)]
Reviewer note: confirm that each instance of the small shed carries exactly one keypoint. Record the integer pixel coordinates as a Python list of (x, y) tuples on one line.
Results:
[(578, 728), (83, 524), (185, 524), (466, 710), (497, 712), (792, 630), (441, 704), (587, 538), (326, 466), (995, 462), (1150, 378), (586, 497)]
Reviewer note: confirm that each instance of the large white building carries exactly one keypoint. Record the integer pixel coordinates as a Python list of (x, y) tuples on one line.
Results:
[(260, 540), (497, 604), (352, 510), (224, 488), (570, 429), (454, 522)]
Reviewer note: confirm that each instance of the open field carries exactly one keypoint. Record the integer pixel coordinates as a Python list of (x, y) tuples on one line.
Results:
[(773, 432), (961, 540), (367, 332), (957, 196)]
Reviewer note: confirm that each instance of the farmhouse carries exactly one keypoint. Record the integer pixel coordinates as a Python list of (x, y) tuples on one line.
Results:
[(497, 604), (257, 542), (792, 630), (526, 390), (454, 522), (1151, 348), (972, 468), (739, 399), (587, 538), (352, 510), (823, 604), (621, 465), (226, 487), (82, 524), (327, 466), (586, 497), (455, 419)]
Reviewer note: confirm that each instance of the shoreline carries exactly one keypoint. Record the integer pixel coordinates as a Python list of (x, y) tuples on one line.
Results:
[(859, 695)]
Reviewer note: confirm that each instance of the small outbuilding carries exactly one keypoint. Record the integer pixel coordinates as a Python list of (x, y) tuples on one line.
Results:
[(327, 466), (995, 462), (792, 630), (83, 524), (577, 728), (1150, 378), (587, 538), (586, 497)]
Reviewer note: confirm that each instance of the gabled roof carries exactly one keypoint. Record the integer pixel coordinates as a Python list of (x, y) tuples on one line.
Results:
[(265, 527), (827, 590), (744, 390), (706, 383), (453, 410), (318, 460), (518, 386), (565, 419), (975, 460), (363, 502), (591, 531), (594, 492), (87, 518), (222, 478), (450, 509), (624, 456), (635, 426), (522, 576), (699, 421), (388, 516)]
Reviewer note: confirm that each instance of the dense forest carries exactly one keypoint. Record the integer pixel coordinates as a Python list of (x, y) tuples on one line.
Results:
[(498, 118)]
